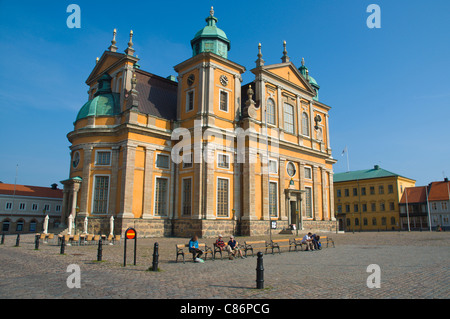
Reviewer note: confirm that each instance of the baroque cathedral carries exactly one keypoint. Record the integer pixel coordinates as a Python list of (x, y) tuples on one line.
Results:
[(256, 157)]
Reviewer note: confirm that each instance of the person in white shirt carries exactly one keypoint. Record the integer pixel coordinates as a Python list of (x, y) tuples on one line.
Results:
[(307, 240)]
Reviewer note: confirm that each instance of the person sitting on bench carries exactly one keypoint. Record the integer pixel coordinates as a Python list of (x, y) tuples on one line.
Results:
[(193, 248), (233, 248), (307, 240)]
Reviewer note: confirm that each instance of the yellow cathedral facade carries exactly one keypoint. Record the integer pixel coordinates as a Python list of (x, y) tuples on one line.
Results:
[(202, 153)]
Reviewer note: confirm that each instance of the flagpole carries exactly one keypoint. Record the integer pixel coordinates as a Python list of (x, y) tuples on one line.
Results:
[(348, 165)]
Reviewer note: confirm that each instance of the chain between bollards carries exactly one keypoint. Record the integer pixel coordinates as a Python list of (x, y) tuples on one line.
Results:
[(99, 250), (260, 272), (155, 257)]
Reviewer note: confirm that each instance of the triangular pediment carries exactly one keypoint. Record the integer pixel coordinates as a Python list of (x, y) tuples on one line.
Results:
[(109, 60), (289, 73)]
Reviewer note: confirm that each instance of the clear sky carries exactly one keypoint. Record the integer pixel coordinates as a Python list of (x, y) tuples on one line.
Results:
[(389, 88)]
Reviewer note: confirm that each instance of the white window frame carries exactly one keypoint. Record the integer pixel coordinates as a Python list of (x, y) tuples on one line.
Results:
[(167, 197), (276, 166), (34, 207), (183, 197), (274, 111), (228, 197), (293, 118), (228, 161), (168, 161), (228, 100), (10, 204), (310, 172), (305, 125), (312, 203), (93, 194), (22, 206), (276, 199), (187, 100), (102, 151)]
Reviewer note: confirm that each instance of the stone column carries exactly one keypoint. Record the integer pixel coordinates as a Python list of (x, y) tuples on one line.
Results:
[(316, 192), (114, 180), (147, 208), (126, 196), (331, 192), (248, 193), (281, 186), (209, 189), (85, 187), (324, 194)]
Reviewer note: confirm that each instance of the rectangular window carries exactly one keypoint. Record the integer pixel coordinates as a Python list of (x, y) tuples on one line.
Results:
[(273, 167), (222, 197), (162, 161), (355, 192), (374, 207), (355, 208), (161, 196), (381, 189), (382, 207), (103, 158), (308, 200), (339, 209), (363, 191), (347, 208), (289, 118), (271, 112), (22, 206), (364, 207), (223, 160), (8, 206), (58, 208), (346, 192), (46, 208), (223, 101), (34, 207), (308, 174), (273, 207), (189, 101), (392, 206), (338, 193), (372, 190), (187, 191), (390, 189), (444, 205), (101, 188)]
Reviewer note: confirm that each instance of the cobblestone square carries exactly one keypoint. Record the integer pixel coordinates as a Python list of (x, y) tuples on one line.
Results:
[(413, 266)]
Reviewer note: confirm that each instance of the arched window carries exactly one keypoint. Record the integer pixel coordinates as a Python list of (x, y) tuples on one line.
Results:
[(271, 111), (305, 124), (289, 118)]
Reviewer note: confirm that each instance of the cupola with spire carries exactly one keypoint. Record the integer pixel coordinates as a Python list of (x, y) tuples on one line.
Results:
[(304, 71), (211, 39)]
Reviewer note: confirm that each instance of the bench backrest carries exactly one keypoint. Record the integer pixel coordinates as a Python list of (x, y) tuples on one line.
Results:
[(255, 242), (280, 240)]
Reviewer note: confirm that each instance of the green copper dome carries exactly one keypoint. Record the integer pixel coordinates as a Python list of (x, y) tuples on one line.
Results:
[(304, 71), (211, 39), (104, 103)]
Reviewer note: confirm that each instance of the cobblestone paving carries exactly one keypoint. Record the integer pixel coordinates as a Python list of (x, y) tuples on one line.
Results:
[(413, 265)]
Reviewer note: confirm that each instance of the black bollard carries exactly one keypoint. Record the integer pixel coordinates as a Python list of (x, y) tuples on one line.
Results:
[(63, 245), (99, 251), (155, 258), (260, 272), (36, 242), (18, 240), (3, 238)]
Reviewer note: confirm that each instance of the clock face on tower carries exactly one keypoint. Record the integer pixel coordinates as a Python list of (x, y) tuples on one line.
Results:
[(76, 159), (224, 80)]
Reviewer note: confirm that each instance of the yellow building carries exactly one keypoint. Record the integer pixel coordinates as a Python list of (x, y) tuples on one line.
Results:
[(173, 158), (369, 199)]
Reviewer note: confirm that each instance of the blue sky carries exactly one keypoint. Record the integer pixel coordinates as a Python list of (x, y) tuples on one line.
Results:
[(389, 88)]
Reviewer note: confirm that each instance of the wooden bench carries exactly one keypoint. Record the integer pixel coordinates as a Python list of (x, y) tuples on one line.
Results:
[(258, 244), (295, 242), (180, 250), (327, 239), (275, 244)]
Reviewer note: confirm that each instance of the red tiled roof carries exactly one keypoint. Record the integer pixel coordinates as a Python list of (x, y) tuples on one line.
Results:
[(34, 191), (414, 195), (439, 191)]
